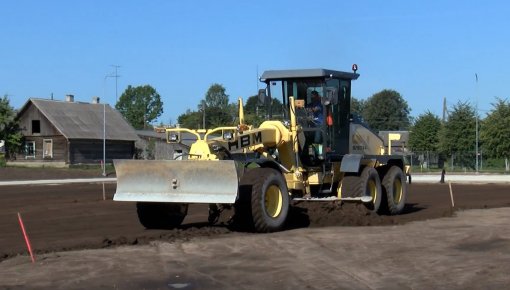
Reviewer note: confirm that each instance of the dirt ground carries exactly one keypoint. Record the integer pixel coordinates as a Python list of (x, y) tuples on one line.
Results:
[(322, 240), (23, 173)]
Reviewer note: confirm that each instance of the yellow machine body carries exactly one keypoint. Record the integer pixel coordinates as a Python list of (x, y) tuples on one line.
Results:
[(338, 160)]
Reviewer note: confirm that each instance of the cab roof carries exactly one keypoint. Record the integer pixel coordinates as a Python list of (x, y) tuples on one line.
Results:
[(306, 73)]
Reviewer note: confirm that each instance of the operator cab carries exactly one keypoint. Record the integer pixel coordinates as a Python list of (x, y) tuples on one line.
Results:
[(325, 121)]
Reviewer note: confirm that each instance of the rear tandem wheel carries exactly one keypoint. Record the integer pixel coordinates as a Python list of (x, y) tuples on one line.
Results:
[(367, 183), (394, 183)]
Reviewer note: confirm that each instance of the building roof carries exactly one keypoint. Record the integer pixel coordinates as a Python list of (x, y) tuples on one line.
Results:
[(78, 120), (306, 73)]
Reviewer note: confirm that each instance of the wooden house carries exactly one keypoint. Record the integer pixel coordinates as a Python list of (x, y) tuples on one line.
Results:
[(72, 132)]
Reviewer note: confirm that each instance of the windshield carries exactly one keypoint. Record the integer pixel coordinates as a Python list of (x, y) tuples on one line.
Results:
[(299, 89)]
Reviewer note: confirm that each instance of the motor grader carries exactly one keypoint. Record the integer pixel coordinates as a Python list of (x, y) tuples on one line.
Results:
[(258, 171)]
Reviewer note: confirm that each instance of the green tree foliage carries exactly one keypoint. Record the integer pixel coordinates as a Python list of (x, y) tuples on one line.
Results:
[(387, 110), (495, 131), (190, 119), (216, 97), (9, 127), (218, 111), (458, 135), (217, 117), (424, 135), (255, 113), (252, 105), (140, 105), (357, 106)]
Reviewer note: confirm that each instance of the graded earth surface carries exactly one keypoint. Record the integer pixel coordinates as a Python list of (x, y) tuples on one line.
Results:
[(84, 242)]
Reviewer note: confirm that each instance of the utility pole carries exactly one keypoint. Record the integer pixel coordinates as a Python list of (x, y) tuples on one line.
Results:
[(104, 139), (104, 125), (116, 76), (444, 110), (203, 115), (476, 123)]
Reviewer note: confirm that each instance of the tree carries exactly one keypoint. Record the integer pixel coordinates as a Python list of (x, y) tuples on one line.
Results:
[(495, 131), (217, 117), (424, 135), (457, 137), (216, 97), (9, 127), (255, 113), (190, 119), (218, 111), (386, 110), (140, 105), (252, 105), (357, 106)]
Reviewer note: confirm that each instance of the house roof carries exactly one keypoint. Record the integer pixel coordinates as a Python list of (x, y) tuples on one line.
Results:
[(78, 120)]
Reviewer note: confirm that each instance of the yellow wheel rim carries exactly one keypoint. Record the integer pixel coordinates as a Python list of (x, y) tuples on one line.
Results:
[(372, 190), (273, 201), (397, 190)]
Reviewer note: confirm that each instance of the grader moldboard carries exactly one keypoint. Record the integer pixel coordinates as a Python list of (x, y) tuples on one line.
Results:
[(259, 171)]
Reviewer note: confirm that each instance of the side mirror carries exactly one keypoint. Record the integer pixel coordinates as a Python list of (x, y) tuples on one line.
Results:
[(262, 97)]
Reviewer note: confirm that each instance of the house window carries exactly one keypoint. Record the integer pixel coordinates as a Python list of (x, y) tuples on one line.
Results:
[(47, 148), (36, 127), (29, 149)]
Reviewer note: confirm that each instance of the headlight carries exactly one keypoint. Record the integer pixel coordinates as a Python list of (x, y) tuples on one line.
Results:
[(228, 136), (174, 138)]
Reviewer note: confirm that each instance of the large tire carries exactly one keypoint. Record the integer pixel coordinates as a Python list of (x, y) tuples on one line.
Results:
[(263, 200), (395, 186), (367, 183), (161, 215), (349, 186)]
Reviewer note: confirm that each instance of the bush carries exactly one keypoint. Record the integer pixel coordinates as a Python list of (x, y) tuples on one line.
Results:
[(2, 160)]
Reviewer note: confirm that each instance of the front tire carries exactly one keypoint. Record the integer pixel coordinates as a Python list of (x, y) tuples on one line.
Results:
[(265, 190), (161, 215)]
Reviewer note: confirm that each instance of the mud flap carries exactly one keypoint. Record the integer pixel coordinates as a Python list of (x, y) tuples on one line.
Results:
[(181, 181), (350, 163)]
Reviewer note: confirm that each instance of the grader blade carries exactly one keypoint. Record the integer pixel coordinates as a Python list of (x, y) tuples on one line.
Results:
[(180, 181)]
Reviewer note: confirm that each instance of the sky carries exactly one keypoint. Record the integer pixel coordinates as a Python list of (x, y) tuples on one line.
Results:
[(425, 50)]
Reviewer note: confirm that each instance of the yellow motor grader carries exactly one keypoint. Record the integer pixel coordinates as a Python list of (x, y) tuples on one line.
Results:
[(300, 152)]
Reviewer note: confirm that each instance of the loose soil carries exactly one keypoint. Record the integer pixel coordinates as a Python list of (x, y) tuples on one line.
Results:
[(75, 216), (325, 245), (25, 173)]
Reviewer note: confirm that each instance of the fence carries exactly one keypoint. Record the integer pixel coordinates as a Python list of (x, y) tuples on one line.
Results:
[(429, 161)]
